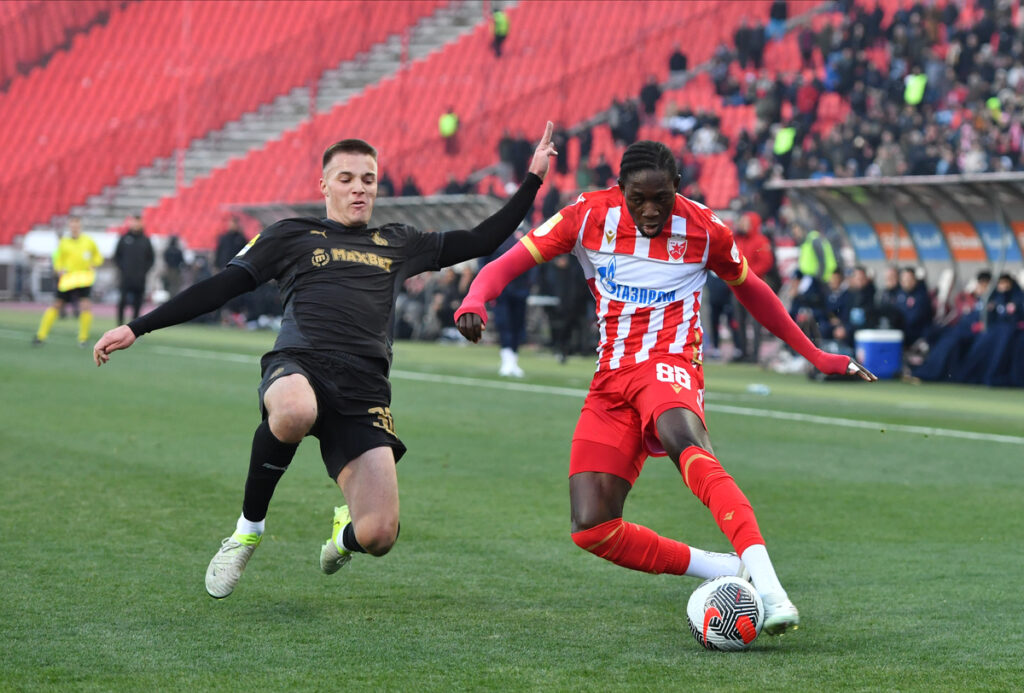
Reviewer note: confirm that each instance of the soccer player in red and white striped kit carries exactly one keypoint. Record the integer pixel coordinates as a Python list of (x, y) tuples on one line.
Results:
[(646, 251)]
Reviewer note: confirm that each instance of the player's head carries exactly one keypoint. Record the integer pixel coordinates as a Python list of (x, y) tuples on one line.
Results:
[(349, 181), (75, 226), (649, 179)]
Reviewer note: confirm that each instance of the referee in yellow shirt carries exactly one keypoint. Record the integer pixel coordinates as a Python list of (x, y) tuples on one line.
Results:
[(75, 262)]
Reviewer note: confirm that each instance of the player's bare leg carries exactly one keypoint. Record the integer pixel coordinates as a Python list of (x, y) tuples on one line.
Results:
[(291, 412), (596, 500), (686, 441), (369, 521)]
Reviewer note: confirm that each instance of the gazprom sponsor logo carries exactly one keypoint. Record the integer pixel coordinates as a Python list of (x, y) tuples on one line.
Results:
[(630, 294)]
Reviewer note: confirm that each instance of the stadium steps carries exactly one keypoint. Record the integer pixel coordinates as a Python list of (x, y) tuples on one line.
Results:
[(446, 25), (254, 130)]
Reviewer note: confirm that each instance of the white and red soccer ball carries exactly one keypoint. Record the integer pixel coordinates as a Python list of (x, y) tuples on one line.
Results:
[(725, 613)]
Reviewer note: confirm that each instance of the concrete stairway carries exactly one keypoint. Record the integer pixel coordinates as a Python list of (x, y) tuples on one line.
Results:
[(255, 129)]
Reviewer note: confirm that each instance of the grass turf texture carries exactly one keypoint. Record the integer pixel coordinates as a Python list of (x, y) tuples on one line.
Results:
[(118, 484)]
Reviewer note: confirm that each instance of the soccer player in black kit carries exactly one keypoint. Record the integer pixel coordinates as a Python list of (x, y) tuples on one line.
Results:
[(327, 375)]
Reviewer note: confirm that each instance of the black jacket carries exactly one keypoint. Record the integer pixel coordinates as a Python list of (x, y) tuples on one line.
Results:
[(134, 258)]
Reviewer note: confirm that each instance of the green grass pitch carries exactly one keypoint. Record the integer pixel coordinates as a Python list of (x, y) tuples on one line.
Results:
[(898, 538)]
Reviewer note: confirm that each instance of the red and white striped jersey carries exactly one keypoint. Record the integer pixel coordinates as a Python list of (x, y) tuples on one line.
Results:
[(648, 290)]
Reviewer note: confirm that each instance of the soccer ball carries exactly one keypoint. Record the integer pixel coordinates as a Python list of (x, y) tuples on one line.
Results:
[(725, 613)]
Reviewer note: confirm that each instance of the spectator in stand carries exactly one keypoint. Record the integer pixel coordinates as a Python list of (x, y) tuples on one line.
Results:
[(757, 38), (777, 16), (551, 203), (915, 305), (585, 137), (756, 247), (506, 155), (385, 186), (499, 30), (409, 187), (228, 245), (650, 94), (628, 122), (174, 261), (602, 172), (741, 42), (560, 140), (806, 42), (133, 257), (522, 154), (805, 102), (455, 187), (678, 63), (448, 127)]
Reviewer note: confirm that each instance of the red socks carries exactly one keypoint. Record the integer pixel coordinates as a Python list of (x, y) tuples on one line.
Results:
[(634, 546), (731, 510)]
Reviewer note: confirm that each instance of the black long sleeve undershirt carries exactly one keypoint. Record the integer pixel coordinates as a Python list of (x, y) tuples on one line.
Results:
[(456, 247), (201, 297), (483, 239)]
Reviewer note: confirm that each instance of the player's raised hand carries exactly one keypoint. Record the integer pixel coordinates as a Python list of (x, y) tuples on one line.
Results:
[(471, 326), (856, 368), (542, 155), (112, 340)]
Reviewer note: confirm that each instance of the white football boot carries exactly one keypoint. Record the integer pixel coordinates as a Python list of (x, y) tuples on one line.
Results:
[(229, 562), (779, 614), (332, 557)]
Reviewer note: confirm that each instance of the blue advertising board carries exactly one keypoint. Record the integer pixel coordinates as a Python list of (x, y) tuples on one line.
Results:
[(929, 241), (865, 242), (995, 239)]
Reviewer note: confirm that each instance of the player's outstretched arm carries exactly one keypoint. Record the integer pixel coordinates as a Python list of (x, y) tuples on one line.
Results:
[(194, 301), (765, 306), (487, 237), (471, 317), (112, 340)]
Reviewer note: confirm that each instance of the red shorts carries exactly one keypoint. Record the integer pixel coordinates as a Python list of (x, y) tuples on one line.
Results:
[(616, 430)]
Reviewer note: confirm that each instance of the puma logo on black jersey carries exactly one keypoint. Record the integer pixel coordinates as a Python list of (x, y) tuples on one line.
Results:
[(322, 233)]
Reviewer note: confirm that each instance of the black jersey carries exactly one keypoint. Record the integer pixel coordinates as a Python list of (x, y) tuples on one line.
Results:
[(338, 284)]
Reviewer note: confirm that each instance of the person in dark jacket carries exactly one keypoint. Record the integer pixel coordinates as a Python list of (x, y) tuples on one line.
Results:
[(510, 313), (229, 244), (134, 258), (914, 303)]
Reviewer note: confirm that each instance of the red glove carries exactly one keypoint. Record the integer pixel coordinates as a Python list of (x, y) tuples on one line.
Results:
[(767, 309)]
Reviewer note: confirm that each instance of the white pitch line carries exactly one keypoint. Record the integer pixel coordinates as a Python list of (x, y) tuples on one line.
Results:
[(579, 393)]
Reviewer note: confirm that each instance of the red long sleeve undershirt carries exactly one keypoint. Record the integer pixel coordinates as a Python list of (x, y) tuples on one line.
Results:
[(753, 293)]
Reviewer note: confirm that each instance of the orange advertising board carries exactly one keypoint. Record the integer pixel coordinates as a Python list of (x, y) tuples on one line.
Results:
[(896, 242), (964, 242)]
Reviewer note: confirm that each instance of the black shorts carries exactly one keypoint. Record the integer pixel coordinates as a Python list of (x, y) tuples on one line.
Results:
[(72, 295), (353, 399)]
